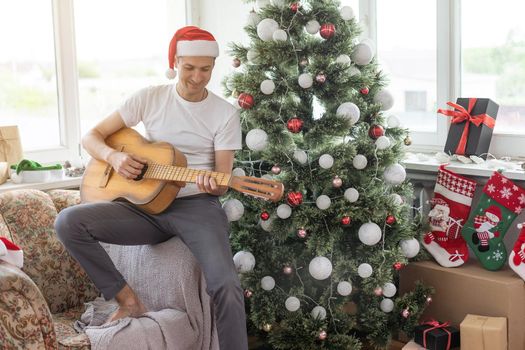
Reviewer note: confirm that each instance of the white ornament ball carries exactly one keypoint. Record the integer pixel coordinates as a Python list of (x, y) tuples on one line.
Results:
[(351, 195), (343, 59), (318, 313), (266, 225), (383, 142), (323, 202), (284, 211), (260, 4), (386, 305), (346, 13), (267, 177), (300, 156), (410, 247), (370, 233), (305, 80), (344, 288), (267, 283), (370, 43), (362, 54), (326, 161), (349, 111), (389, 290), (238, 172), (266, 28), (279, 35), (312, 27), (396, 199), (320, 268), (267, 87), (252, 56), (395, 174), (292, 304), (365, 270), (385, 99), (256, 139), (234, 209), (244, 261), (354, 71), (253, 19), (393, 121), (359, 162)]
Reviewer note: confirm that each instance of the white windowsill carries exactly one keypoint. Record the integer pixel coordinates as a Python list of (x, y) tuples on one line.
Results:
[(426, 169), (65, 182)]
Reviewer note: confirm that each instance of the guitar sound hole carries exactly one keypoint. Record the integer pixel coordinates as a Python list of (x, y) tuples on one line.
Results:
[(141, 176)]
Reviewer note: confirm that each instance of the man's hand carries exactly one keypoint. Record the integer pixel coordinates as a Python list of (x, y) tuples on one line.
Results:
[(207, 184), (126, 165)]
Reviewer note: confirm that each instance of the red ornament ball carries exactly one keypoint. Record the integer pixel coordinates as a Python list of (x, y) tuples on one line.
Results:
[(337, 182), (301, 233), (320, 78), (378, 291), (375, 131), (245, 100), (346, 220), (364, 91), (323, 335), (390, 219), (287, 270), (236, 62), (327, 30), (276, 169), (405, 313), (398, 266), (295, 125), (294, 198), (295, 6), (265, 216), (248, 293)]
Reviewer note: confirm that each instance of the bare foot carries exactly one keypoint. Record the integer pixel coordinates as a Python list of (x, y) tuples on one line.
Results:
[(127, 311)]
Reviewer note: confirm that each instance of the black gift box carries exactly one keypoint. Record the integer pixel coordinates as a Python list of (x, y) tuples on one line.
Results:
[(479, 137), (437, 339)]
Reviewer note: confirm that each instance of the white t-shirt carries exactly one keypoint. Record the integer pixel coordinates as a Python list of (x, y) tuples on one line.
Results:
[(197, 129)]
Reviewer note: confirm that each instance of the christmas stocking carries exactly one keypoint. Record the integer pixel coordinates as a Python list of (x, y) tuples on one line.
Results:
[(498, 206), (517, 256), (450, 208)]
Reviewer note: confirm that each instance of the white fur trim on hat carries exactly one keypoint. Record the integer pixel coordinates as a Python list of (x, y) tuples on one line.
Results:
[(171, 73), (15, 257), (197, 48)]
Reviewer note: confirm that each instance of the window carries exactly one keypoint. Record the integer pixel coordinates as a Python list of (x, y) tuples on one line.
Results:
[(28, 92), (66, 64)]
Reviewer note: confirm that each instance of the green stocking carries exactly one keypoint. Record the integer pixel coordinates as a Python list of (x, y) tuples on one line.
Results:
[(498, 206)]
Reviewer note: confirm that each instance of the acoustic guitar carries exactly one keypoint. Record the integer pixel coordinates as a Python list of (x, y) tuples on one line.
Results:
[(163, 175)]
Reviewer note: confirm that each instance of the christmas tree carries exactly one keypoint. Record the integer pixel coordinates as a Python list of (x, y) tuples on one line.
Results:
[(320, 267)]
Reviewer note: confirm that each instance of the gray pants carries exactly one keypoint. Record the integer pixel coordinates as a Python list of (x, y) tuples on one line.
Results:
[(198, 220)]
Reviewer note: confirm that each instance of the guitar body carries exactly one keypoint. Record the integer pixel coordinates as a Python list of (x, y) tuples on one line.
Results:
[(101, 183)]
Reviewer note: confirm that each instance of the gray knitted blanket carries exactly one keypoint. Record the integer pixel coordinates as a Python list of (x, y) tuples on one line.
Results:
[(169, 282)]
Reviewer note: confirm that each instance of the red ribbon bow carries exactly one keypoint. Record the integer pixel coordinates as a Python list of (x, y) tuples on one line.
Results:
[(460, 114), (436, 325)]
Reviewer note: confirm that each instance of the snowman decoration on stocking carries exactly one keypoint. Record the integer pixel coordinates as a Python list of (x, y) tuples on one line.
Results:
[(485, 227)]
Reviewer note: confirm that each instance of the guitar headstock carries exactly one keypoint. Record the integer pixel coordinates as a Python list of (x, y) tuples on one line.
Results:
[(257, 187)]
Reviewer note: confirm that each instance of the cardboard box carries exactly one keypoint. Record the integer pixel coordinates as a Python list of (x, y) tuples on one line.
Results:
[(470, 289), (479, 137), (483, 333)]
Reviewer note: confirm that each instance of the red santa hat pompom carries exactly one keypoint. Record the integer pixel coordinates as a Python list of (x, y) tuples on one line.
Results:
[(11, 253), (190, 41), (493, 213)]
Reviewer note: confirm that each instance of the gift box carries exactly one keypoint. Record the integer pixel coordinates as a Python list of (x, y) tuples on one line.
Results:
[(471, 127), (437, 336), (483, 333), (471, 289)]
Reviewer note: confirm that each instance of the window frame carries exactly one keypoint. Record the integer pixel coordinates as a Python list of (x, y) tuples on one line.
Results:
[(448, 78)]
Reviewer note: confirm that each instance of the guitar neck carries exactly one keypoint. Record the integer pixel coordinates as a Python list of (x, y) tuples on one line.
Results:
[(181, 174)]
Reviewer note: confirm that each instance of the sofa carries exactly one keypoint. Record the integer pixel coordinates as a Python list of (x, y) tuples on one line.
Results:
[(40, 302)]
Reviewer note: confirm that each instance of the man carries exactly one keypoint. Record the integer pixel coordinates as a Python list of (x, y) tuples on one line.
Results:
[(207, 130)]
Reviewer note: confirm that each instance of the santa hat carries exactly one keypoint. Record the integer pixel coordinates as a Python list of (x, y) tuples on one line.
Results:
[(11, 253), (190, 41), (494, 213)]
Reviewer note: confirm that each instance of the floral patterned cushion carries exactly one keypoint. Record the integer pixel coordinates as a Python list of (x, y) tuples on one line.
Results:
[(29, 216), (68, 338)]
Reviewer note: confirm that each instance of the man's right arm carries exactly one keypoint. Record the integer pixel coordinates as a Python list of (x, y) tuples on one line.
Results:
[(125, 164)]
